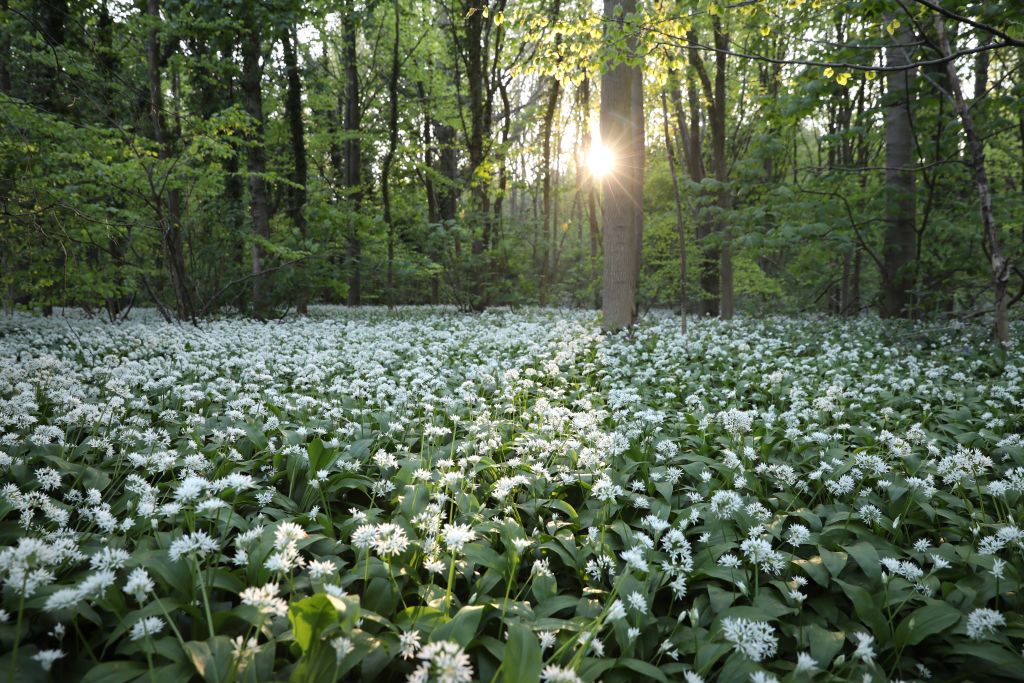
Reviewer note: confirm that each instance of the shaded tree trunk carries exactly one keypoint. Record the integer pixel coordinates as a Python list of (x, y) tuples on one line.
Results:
[(353, 173), (554, 91), (900, 241), (680, 227), (300, 170), (169, 214), (998, 263), (389, 157), (252, 96)]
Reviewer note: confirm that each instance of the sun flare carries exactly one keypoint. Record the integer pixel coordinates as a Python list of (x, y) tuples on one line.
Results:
[(600, 161)]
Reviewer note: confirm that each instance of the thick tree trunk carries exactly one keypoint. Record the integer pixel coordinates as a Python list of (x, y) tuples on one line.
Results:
[(636, 92), (300, 169), (622, 202), (900, 243), (999, 264)]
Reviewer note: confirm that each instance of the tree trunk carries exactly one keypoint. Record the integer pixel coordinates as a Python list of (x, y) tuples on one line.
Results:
[(998, 263), (554, 90), (718, 116), (900, 243), (709, 254), (252, 96), (389, 157), (353, 175), (636, 92), (476, 76), (622, 204), (591, 190), (300, 170), (680, 227), (169, 216)]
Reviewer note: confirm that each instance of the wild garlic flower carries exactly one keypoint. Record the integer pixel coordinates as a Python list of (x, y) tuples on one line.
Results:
[(754, 639), (983, 622)]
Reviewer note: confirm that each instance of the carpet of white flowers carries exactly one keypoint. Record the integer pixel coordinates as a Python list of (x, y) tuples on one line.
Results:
[(428, 496)]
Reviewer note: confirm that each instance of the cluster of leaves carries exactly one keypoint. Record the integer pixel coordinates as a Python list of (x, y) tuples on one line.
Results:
[(418, 494)]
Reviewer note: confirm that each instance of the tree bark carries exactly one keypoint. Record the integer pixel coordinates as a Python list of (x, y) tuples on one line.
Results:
[(709, 254), (169, 214), (680, 226), (998, 263), (591, 191), (252, 96), (900, 241), (352, 148), (548, 229), (300, 169), (389, 157), (622, 204)]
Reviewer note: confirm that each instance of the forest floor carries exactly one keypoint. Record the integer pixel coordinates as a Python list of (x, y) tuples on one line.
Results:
[(426, 495)]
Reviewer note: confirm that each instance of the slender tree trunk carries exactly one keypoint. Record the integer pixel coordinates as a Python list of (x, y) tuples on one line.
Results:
[(718, 120), (353, 175), (680, 226), (591, 190), (709, 254), (300, 169), (622, 204), (998, 262), (554, 91), (252, 95), (900, 243), (389, 157)]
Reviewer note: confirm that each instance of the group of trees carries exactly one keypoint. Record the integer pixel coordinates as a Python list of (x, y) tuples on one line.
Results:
[(259, 156)]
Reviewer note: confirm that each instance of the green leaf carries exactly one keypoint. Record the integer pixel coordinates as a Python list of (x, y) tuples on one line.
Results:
[(649, 671), (834, 562), (522, 658), (310, 616), (865, 555), (933, 618), (212, 659), (114, 672), (463, 626)]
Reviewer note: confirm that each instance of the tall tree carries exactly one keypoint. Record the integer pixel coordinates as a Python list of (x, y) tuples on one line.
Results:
[(677, 200), (351, 107), (623, 192), (168, 214), (389, 156), (900, 240), (715, 92), (548, 230), (252, 97), (998, 263), (300, 168)]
